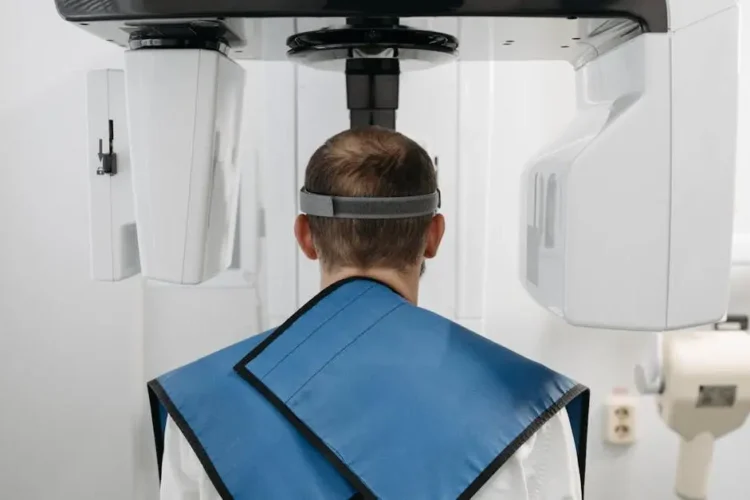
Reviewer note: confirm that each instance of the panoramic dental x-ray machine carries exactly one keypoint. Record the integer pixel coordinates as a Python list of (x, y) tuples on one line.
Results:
[(627, 220)]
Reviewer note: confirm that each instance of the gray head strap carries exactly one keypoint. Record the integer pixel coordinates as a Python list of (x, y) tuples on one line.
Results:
[(368, 208)]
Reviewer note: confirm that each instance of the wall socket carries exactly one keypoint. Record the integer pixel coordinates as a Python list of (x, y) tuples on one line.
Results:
[(620, 419)]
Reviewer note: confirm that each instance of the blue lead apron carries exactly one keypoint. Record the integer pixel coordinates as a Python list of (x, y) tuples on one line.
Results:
[(362, 395)]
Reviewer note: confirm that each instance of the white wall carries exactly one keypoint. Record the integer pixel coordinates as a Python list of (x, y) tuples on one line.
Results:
[(72, 360), (69, 347)]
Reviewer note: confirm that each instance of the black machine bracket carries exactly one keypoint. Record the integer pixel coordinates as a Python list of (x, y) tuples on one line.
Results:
[(107, 161), (373, 49), (733, 322)]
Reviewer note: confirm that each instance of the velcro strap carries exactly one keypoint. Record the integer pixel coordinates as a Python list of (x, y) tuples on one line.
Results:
[(368, 208)]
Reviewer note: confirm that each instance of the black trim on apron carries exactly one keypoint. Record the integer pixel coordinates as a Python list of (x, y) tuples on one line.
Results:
[(157, 395), (158, 391), (364, 491)]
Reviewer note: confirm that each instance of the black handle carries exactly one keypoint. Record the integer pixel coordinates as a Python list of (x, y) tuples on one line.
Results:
[(108, 161)]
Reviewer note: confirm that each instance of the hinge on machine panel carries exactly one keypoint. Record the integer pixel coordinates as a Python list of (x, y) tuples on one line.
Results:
[(733, 322), (108, 161)]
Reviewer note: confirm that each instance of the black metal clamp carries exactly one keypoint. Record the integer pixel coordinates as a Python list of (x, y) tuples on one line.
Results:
[(107, 161)]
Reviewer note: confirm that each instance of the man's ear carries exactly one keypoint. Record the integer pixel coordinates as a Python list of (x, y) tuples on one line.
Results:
[(304, 237), (434, 236)]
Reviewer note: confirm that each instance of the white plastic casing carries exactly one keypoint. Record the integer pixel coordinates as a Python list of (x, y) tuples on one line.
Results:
[(114, 240), (627, 221), (184, 115), (706, 396)]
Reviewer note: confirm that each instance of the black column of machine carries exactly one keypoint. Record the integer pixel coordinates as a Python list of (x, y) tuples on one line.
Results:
[(372, 83)]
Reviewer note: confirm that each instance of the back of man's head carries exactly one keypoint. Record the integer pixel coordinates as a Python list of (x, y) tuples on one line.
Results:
[(370, 162)]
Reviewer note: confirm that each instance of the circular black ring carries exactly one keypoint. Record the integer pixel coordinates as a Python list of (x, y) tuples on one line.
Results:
[(179, 43), (193, 35), (370, 38)]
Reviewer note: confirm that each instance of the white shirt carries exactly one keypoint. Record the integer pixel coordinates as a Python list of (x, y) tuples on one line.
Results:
[(544, 468)]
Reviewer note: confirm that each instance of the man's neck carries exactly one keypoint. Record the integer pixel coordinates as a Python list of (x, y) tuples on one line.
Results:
[(405, 283)]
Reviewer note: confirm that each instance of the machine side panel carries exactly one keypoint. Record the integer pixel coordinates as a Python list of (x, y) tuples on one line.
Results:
[(100, 198), (225, 181), (157, 220), (653, 13), (617, 197), (704, 116), (278, 174), (683, 13), (185, 196), (475, 125), (203, 140), (126, 260), (114, 241)]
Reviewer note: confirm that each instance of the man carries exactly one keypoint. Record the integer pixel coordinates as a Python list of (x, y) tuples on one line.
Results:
[(361, 394)]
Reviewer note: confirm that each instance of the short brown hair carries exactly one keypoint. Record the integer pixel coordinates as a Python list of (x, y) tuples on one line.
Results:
[(374, 162)]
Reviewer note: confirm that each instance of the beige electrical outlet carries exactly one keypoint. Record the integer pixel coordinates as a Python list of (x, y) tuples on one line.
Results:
[(620, 419)]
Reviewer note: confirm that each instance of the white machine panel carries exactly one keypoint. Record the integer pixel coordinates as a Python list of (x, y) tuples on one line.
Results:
[(741, 250), (474, 143), (278, 186), (683, 13), (184, 120), (628, 217), (705, 76), (114, 241)]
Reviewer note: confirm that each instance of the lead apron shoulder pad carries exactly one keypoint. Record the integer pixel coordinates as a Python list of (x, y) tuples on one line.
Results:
[(247, 449), (361, 393)]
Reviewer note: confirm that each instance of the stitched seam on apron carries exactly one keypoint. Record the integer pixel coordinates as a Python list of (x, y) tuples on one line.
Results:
[(352, 301), (341, 351)]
